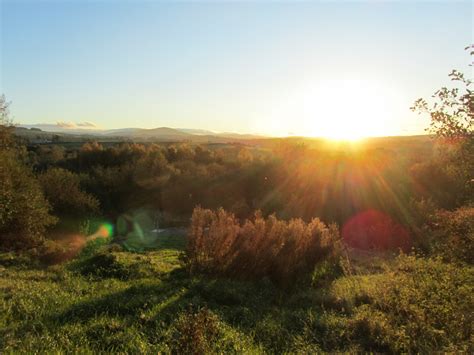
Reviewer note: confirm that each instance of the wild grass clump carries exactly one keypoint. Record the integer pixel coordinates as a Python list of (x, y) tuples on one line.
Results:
[(202, 331), (427, 305), (103, 265), (195, 332), (418, 305), (283, 251)]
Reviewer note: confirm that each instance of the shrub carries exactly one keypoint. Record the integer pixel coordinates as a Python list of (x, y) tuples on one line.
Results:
[(453, 234), (92, 246), (103, 265), (63, 191), (24, 212), (283, 251)]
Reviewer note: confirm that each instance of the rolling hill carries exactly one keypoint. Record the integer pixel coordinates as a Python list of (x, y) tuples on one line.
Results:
[(44, 133)]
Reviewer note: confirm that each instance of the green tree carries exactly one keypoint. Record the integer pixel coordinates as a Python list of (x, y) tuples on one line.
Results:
[(452, 122), (6, 138), (62, 189), (452, 112), (24, 212)]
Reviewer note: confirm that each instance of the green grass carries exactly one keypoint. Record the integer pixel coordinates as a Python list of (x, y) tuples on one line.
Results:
[(117, 301)]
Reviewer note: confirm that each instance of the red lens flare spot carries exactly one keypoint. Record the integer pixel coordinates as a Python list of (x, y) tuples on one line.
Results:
[(373, 229)]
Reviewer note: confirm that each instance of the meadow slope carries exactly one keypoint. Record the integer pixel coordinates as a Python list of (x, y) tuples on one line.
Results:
[(112, 300)]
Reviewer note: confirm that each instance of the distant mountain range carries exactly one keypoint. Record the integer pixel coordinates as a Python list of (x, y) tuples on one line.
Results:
[(41, 132)]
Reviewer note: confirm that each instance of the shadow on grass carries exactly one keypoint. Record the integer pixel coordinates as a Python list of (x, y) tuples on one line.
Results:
[(128, 303), (168, 296), (257, 309)]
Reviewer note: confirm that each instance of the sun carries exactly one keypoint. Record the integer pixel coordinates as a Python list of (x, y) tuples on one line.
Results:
[(345, 109), (337, 109)]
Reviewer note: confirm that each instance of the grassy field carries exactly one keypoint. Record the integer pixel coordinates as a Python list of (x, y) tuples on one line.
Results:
[(114, 301)]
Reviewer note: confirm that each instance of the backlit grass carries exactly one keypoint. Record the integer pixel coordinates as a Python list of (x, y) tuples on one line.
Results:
[(148, 303)]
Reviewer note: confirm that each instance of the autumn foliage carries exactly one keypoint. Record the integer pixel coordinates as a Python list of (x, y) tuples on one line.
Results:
[(283, 251)]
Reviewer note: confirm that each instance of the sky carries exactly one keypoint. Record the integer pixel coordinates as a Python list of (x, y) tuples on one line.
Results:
[(267, 67)]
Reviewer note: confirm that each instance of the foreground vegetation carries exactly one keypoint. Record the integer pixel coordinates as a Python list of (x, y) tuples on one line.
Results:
[(284, 252), (113, 300)]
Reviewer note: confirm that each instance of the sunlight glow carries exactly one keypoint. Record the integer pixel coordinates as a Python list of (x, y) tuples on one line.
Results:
[(345, 109), (339, 109)]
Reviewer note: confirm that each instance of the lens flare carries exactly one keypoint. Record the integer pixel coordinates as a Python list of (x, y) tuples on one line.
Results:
[(105, 230), (373, 229)]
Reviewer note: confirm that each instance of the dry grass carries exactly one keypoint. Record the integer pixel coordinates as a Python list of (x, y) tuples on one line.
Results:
[(283, 251)]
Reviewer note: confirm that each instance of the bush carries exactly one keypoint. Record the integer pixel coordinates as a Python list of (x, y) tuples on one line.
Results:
[(285, 252), (453, 235), (63, 191), (24, 212), (103, 265), (92, 246)]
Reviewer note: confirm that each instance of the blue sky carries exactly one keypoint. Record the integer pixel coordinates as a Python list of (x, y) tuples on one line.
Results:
[(227, 66)]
